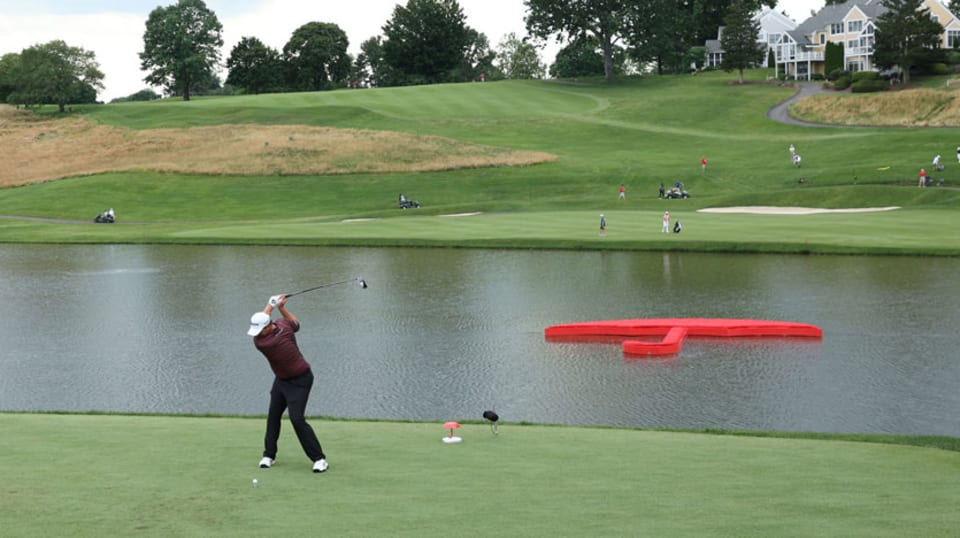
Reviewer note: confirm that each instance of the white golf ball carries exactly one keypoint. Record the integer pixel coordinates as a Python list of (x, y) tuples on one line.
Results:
[(255, 482)]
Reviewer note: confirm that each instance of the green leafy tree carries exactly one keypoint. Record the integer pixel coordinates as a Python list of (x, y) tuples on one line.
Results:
[(56, 73), (478, 59), (580, 58), (425, 41), (9, 64), (518, 59), (255, 67), (905, 34), (316, 57), (606, 21), (739, 39), (661, 32), (181, 45), (372, 64)]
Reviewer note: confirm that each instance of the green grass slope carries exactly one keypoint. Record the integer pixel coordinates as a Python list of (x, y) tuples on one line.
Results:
[(640, 132), (107, 475)]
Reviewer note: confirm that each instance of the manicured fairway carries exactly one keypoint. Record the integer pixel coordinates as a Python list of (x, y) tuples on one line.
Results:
[(97, 475), (640, 132)]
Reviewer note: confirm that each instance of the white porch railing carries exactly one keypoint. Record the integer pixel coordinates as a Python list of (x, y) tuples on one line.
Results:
[(801, 57)]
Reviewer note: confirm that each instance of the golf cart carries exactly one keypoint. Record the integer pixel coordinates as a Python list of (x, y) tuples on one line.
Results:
[(677, 193), (406, 203), (107, 217)]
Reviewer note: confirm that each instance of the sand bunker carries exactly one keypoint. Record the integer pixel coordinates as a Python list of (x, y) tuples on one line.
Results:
[(461, 214), (774, 210)]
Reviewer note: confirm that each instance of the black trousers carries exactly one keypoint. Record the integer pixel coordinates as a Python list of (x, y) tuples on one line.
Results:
[(291, 394)]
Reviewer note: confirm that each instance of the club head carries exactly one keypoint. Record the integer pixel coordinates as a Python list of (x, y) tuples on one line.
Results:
[(363, 283)]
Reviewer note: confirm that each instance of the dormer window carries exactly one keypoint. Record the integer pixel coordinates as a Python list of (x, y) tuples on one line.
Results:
[(854, 26)]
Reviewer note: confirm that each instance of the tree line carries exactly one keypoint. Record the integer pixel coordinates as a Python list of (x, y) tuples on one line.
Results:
[(428, 42)]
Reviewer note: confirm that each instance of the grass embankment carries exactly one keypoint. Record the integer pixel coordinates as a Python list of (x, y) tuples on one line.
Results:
[(639, 132), (107, 475), (916, 107)]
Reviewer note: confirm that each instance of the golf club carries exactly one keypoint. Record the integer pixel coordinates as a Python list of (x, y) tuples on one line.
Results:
[(362, 282)]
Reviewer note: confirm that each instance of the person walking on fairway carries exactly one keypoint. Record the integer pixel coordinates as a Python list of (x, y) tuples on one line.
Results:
[(623, 192), (666, 222), (703, 164), (292, 384), (603, 225)]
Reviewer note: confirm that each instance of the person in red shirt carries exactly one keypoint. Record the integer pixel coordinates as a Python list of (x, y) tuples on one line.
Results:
[(703, 164), (923, 178), (291, 385)]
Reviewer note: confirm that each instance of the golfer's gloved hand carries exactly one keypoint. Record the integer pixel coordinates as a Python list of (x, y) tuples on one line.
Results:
[(275, 299)]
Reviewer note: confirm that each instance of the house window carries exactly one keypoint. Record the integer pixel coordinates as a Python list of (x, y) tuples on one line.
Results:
[(823, 38), (936, 18), (854, 26), (836, 28), (953, 38), (855, 65), (852, 44)]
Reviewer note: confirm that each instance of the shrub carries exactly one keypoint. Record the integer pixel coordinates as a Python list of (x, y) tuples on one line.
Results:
[(864, 75), (841, 83), (837, 73), (869, 85), (816, 76), (940, 69)]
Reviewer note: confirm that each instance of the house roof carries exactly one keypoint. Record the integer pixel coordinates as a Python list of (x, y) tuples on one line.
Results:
[(834, 13)]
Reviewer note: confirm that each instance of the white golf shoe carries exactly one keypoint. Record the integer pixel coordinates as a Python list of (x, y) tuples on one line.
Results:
[(266, 463), (320, 465)]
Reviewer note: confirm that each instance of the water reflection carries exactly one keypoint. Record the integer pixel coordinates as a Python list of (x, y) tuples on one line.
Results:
[(445, 333)]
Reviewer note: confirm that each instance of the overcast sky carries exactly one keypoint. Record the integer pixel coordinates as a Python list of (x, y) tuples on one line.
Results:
[(113, 29)]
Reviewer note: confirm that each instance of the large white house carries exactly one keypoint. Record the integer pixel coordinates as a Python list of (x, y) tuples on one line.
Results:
[(799, 52), (773, 25)]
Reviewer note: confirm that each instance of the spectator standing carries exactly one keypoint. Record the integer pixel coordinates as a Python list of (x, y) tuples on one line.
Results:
[(623, 192), (666, 222), (923, 178), (703, 164)]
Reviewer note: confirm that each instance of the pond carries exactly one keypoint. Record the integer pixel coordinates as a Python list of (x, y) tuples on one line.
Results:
[(447, 333)]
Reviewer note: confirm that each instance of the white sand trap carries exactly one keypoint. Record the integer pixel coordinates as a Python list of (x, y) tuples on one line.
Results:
[(462, 214), (357, 220), (773, 210)]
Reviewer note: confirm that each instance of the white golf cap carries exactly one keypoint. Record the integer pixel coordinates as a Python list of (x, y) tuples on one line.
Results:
[(257, 322)]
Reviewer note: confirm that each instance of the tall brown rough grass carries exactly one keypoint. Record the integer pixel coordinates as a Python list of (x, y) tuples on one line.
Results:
[(34, 149), (921, 107)]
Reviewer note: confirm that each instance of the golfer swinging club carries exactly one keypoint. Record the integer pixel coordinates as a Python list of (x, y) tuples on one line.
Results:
[(291, 386)]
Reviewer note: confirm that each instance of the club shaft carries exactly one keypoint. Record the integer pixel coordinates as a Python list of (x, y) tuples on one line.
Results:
[(323, 286)]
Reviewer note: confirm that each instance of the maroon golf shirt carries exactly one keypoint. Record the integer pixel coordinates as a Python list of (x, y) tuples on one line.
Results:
[(280, 348)]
